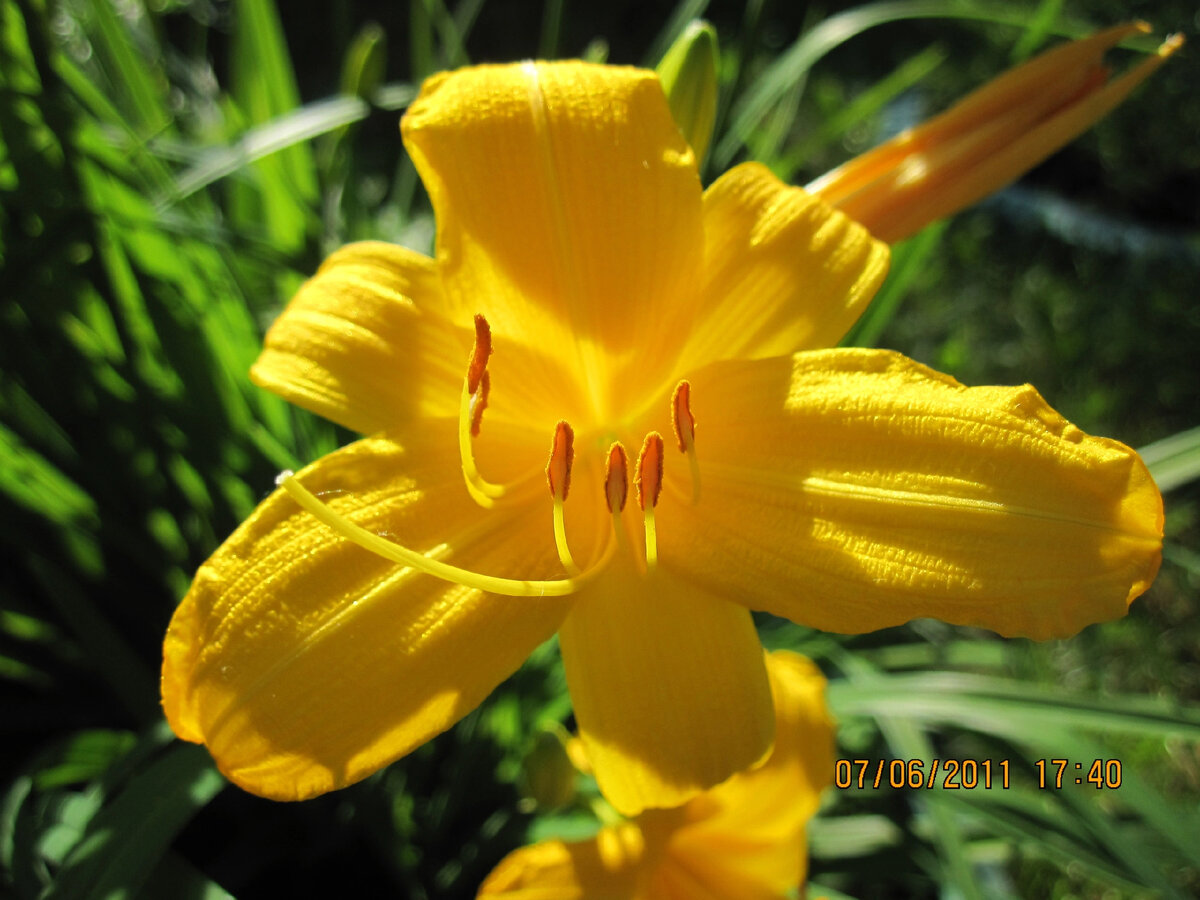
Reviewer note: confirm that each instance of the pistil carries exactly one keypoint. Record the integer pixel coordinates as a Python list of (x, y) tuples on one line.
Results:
[(474, 400), (398, 553)]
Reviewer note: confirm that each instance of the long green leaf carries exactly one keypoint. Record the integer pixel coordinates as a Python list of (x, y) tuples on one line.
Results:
[(1175, 460), (998, 706), (865, 106), (264, 88), (127, 838), (275, 136), (909, 260)]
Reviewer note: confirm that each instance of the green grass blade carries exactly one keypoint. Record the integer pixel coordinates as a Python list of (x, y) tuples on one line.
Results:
[(453, 41), (1175, 460), (684, 12), (548, 42), (793, 64), (1003, 707), (264, 88), (465, 14), (178, 879), (131, 681), (30, 480), (130, 76), (909, 259), (125, 840), (1037, 31), (1180, 825), (86, 756), (766, 141), (420, 40), (865, 106), (276, 136), (908, 741)]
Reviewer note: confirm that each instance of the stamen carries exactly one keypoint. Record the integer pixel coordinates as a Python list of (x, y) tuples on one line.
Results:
[(616, 488), (681, 417), (649, 485), (479, 353), (562, 454), (684, 424), (616, 478), (649, 471), (396, 553), (558, 475), (479, 403)]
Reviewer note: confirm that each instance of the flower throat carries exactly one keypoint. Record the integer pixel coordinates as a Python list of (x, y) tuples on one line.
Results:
[(648, 480)]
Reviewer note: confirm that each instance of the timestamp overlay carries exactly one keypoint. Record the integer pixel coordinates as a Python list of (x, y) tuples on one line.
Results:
[(950, 773)]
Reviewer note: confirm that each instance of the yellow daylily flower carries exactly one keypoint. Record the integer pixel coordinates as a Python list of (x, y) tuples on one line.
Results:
[(744, 838), (988, 139), (588, 297)]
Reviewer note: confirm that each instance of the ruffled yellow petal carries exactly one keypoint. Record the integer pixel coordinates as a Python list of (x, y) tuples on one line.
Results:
[(851, 490), (783, 271), (746, 837), (671, 695), (306, 663), (568, 209), (607, 867), (988, 139), (363, 342)]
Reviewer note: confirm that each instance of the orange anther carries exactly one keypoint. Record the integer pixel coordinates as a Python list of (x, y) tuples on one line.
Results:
[(480, 402), (650, 470), (616, 478), (681, 416), (562, 454), (479, 354)]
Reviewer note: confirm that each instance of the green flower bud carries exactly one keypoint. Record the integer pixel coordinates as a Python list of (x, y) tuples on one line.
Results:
[(547, 773), (688, 73), (362, 72)]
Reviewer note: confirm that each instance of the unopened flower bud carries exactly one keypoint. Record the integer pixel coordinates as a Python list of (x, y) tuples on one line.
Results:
[(688, 73)]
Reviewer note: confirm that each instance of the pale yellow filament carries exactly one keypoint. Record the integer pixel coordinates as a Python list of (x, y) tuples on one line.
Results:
[(694, 465), (651, 540), (649, 484), (560, 540)]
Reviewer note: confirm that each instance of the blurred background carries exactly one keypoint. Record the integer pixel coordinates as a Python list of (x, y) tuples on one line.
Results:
[(171, 170)]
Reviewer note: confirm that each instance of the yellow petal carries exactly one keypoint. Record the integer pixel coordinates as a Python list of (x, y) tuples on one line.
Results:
[(746, 837), (607, 867), (784, 271), (363, 342), (567, 203), (986, 140), (306, 663), (669, 687), (851, 490)]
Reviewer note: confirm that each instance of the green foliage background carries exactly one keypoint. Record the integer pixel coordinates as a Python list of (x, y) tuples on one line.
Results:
[(171, 170)]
